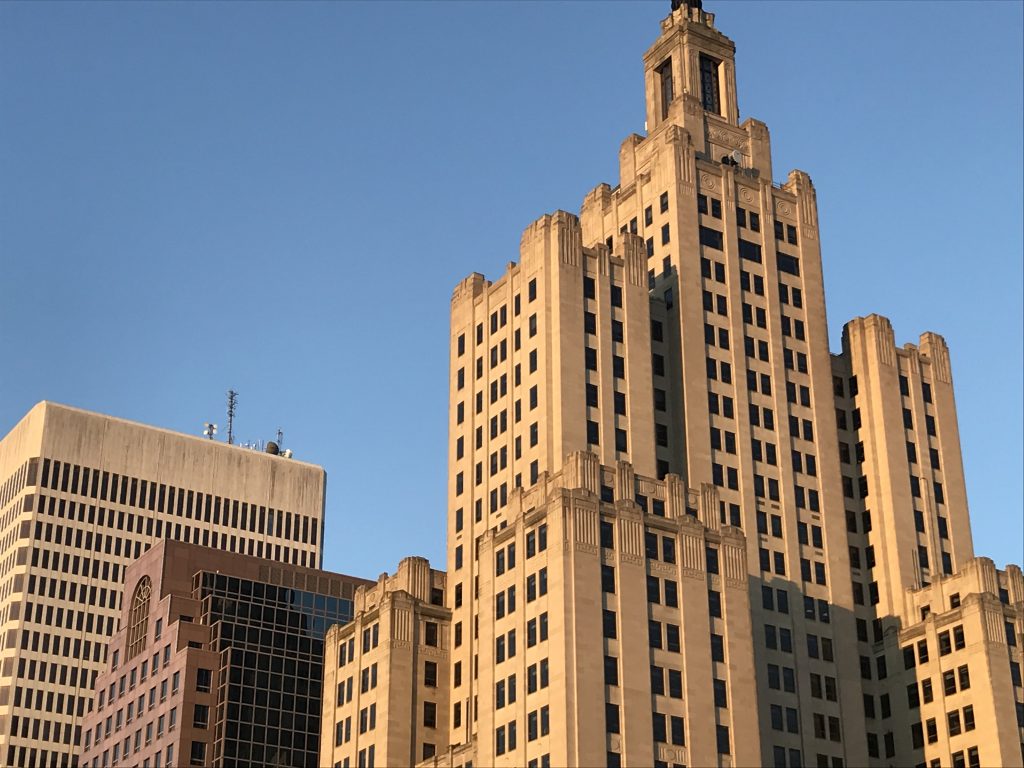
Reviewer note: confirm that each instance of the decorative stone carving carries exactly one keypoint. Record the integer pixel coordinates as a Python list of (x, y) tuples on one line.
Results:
[(583, 471), (727, 138), (934, 347), (631, 534), (624, 481), (675, 493)]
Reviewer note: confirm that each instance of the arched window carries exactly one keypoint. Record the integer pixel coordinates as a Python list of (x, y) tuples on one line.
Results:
[(138, 618)]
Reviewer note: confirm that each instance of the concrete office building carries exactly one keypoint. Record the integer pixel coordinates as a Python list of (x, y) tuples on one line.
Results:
[(219, 661), (81, 496), (386, 673)]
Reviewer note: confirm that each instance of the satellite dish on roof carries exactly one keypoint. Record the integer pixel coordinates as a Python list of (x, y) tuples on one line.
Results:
[(737, 156)]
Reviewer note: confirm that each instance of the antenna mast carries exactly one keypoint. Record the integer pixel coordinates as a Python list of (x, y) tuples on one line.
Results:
[(232, 403)]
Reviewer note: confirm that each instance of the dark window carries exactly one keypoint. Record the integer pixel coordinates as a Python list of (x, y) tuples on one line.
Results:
[(715, 603), (611, 718), (709, 97), (789, 264), (611, 670), (711, 238), (609, 625), (620, 440), (750, 251), (722, 734), (665, 82), (721, 697), (608, 579)]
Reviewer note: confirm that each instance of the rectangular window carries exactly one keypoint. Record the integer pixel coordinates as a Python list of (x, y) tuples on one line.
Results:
[(710, 98), (608, 579), (665, 82), (711, 238), (611, 718), (722, 734), (611, 670), (788, 264), (750, 251), (609, 624)]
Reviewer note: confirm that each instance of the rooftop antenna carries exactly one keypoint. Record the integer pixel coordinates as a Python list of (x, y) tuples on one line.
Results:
[(232, 403), (209, 430), (280, 437)]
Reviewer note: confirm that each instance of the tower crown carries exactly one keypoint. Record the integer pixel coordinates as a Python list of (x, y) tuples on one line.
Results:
[(691, 60)]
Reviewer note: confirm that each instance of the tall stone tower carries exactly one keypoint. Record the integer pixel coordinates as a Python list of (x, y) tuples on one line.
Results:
[(680, 531), (678, 324)]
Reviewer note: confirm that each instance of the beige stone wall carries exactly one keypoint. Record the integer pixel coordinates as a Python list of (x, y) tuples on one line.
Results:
[(61, 468), (907, 522), (913, 474), (377, 688), (953, 698), (736, 300), (572, 527), (520, 380)]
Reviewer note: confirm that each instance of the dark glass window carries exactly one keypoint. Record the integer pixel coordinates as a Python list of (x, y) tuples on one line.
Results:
[(711, 238), (709, 91), (665, 83)]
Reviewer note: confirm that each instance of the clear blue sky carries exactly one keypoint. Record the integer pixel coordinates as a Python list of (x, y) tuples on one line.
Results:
[(279, 198)]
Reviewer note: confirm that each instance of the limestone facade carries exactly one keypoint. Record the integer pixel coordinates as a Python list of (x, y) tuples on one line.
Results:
[(655, 372), (386, 691), (953, 661), (698, 262), (732, 350)]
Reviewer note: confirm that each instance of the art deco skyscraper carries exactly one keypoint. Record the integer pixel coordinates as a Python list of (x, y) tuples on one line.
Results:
[(681, 532), (679, 324), (704, 289), (81, 496)]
